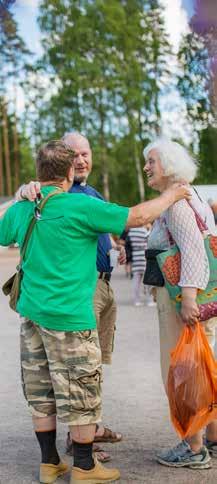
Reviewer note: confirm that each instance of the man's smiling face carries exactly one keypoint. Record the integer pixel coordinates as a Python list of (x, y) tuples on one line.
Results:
[(83, 155)]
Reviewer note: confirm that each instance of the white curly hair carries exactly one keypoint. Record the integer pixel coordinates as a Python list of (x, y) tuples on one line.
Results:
[(175, 159)]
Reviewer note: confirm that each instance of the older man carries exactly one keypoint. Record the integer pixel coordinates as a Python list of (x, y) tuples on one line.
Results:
[(105, 306), (104, 302)]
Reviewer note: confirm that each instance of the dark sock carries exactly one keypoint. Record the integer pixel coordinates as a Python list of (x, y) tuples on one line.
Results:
[(47, 442), (83, 457)]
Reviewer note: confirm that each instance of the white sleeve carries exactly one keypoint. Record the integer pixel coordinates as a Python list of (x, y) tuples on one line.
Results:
[(185, 232)]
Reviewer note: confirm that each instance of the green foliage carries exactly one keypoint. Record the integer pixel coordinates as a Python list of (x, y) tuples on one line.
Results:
[(13, 67), (14, 52), (25, 154), (105, 68), (194, 79), (27, 165), (107, 63), (208, 156), (195, 85)]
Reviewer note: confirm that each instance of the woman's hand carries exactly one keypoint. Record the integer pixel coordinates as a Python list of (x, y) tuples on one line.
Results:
[(189, 311)]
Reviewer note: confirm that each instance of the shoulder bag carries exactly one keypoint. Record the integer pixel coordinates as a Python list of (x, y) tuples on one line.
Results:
[(170, 264), (11, 287)]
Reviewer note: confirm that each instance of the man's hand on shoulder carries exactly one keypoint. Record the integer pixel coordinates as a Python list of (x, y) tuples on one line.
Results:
[(29, 191), (177, 192)]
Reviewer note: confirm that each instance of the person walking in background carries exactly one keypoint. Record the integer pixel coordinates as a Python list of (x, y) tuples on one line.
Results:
[(125, 241), (138, 238)]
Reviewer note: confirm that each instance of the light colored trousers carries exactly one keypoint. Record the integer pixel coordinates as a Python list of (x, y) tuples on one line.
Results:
[(170, 327), (137, 284), (106, 314)]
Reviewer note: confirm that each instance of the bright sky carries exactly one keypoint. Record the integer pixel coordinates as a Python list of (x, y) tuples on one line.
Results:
[(25, 12), (189, 5), (176, 20)]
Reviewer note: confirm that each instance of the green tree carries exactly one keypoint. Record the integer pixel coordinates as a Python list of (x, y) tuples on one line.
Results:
[(195, 86), (194, 79), (144, 70), (109, 62), (13, 59), (208, 156)]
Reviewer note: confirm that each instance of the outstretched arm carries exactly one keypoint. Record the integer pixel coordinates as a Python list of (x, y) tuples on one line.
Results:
[(140, 214), (146, 212)]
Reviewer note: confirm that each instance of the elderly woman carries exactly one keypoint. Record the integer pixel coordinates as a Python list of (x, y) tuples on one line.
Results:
[(166, 162)]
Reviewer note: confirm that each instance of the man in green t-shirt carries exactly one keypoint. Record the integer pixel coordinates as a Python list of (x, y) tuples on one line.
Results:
[(60, 354)]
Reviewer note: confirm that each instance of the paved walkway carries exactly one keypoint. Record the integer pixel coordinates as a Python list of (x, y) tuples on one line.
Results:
[(134, 400)]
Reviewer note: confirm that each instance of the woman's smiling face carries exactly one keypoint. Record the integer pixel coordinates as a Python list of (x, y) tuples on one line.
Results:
[(155, 172)]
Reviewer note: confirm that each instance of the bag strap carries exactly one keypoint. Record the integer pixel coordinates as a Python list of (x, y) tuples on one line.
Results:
[(200, 223), (33, 222)]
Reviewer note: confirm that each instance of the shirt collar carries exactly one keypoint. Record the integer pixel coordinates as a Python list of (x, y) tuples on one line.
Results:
[(82, 184)]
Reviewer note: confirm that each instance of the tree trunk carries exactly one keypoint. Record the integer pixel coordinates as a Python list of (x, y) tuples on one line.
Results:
[(16, 157), (105, 173), (6, 149), (139, 172), (157, 113), (106, 191), (134, 130)]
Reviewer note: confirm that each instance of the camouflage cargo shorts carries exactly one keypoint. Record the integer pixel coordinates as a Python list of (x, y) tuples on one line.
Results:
[(61, 373)]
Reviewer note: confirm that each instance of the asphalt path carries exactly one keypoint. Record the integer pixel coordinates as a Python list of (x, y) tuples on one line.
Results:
[(133, 396)]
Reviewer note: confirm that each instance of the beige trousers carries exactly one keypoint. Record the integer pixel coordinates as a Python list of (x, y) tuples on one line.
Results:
[(170, 327), (106, 313)]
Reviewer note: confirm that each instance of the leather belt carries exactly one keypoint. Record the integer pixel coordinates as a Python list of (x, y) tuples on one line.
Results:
[(105, 276)]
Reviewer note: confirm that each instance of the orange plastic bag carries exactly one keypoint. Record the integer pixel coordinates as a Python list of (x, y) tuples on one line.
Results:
[(192, 382)]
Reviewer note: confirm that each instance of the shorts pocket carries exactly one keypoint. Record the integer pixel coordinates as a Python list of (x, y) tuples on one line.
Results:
[(84, 390), (84, 372)]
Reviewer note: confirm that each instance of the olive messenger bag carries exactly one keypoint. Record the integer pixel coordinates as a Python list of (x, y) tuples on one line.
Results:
[(11, 287)]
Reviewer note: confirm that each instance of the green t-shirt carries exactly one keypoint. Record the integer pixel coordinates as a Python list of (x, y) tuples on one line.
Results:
[(59, 269)]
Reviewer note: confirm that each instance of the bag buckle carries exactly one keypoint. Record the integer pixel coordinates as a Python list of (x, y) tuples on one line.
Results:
[(37, 211)]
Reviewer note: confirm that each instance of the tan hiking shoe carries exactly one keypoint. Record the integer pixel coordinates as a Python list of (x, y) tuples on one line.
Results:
[(50, 472), (98, 475)]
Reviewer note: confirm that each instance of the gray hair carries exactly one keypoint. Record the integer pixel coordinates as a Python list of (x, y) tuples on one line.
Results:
[(175, 159), (68, 138)]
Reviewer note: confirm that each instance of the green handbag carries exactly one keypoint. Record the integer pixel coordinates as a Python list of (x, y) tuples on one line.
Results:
[(170, 265), (12, 286)]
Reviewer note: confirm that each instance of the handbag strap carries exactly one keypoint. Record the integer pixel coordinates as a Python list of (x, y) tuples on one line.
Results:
[(33, 222), (200, 222)]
